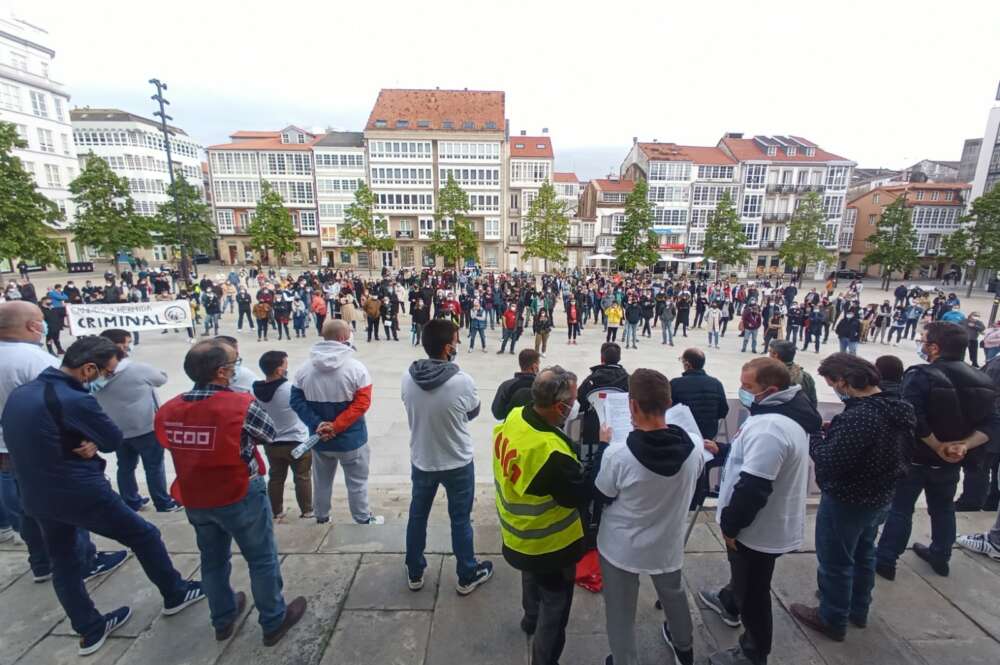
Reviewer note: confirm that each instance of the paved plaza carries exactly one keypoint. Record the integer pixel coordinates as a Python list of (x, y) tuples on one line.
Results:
[(360, 610)]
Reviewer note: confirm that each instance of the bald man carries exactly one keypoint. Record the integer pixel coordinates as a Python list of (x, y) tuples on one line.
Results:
[(331, 393), (22, 359)]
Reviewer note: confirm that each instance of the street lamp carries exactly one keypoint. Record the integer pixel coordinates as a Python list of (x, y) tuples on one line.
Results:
[(162, 115)]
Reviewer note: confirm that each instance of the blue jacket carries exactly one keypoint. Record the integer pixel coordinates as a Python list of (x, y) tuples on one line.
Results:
[(331, 383), (43, 421)]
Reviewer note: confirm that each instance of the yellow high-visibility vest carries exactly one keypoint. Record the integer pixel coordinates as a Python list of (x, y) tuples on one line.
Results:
[(529, 524)]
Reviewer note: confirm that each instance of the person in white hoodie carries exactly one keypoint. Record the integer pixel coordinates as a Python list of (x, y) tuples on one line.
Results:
[(274, 395), (331, 393)]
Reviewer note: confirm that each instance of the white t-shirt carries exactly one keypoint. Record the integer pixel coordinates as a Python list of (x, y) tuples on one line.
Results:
[(20, 362), (776, 448), (643, 530)]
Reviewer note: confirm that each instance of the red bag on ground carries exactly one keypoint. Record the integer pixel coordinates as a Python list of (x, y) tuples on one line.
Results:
[(588, 572)]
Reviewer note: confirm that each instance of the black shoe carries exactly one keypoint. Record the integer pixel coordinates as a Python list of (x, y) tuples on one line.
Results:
[(685, 657), (224, 633), (528, 626), (966, 507), (886, 571), (940, 567), (992, 503)]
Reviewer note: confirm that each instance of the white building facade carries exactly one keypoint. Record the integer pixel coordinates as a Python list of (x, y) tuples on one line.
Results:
[(133, 147), (38, 107), (530, 165), (339, 159)]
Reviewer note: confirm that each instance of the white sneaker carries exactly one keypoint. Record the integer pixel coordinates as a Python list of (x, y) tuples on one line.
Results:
[(980, 544)]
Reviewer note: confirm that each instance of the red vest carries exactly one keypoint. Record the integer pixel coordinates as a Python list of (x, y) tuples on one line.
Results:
[(203, 438)]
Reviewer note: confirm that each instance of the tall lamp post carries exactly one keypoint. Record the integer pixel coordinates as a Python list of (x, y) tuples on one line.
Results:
[(162, 115)]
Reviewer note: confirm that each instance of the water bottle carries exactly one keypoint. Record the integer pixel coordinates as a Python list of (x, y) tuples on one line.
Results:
[(301, 449)]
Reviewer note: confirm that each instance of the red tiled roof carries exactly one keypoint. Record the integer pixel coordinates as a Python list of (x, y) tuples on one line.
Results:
[(265, 144), (430, 109), (671, 152), (748, 149), (558, 176), (253, 134), (614, 185), (531, 146)]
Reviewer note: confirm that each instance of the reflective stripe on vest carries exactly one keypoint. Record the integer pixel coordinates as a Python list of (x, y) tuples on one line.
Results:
[(532, 525)]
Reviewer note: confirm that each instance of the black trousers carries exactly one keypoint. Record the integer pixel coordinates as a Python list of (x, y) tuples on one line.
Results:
[(245, 313), (748, 595), (372, 328), (547, 599), (979, 480)]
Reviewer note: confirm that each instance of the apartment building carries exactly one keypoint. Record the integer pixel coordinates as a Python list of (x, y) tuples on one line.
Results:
[(686, 184), (775, 173), (601, 214), (339, 159), (935, 210), (568, 190), (417, 139), (238, 169), (134, 148), (38, 106), (530, 162)]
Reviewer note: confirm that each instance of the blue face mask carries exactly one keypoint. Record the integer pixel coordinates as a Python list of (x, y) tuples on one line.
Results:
[(97, 384), (843, 397), (921, 352), (747, 398), (45, 331)]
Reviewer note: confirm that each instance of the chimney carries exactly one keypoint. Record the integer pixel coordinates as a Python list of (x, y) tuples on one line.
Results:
[(635, 139), (524, 132), (734, 135), (545, 130)]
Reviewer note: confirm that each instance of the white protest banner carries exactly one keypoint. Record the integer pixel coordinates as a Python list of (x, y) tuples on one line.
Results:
[(133, 316)]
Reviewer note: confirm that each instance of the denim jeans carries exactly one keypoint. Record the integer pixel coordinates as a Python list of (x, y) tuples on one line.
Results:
[(629, 334), (668, 332), (108, 516), (31, 534), (212, 321), (472, 337), (750, 335), (713, 338), (508, 335), (845, 550), (460, 486), (847, 346), (939, 485), (147, 448), (249, 522)]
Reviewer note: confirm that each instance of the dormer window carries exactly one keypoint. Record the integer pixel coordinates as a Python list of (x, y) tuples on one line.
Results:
[(791, 150), (285, 138), (381, 124), (301, 138), (447, 124), (540, 146), (810, 152), (402, 124), (424, 124), (519, 146), (491, 125), (771, 151), (468, 124)]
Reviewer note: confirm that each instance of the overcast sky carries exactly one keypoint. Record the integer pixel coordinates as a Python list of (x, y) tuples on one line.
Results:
[(882, 82)]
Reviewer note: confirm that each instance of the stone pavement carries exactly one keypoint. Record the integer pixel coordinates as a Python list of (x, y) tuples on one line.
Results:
[(361, 613)]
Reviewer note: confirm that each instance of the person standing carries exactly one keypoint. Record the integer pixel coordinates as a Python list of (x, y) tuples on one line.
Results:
[(784, 351), (477, 325), (319, 308), (213, 311), (651, 479), (389, 314), (762, 503), (668, 311), (683, 314), (633, 315), (509, 329), (212, 434), (274, 395), (54, 430), (373, 309), (244, 305), (540, 490), (331, 394), (262, 314), (53, 320), (440, 401), (129, 399), (955, 410), (573, 322), (282, 310), (714, 320), (750, 323), (517, 390), (974, 328), (701, 393), (419, 315), (858, 460), (848, 332), (614, 315), (542, 327)]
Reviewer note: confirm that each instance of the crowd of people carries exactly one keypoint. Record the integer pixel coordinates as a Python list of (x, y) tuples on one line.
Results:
[(557, 496)]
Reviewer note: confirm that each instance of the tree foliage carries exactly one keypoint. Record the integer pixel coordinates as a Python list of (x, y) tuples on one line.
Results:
[(806, 235), (26, 216), (362, 227), (892, 244), (725, 239), (546, 227), (461, 242), (105, 212), (195, 230), (977, 239), (271, 229), (637, 244)]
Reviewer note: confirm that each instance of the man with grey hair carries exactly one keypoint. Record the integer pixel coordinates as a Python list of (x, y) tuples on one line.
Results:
[(540, 489)]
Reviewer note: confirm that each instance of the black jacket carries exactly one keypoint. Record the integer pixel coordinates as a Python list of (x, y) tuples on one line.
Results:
[(705, 396), (849, 328), (511, 393), (601, 376)]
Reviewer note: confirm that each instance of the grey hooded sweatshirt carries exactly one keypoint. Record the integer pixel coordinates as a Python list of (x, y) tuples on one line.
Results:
[(440, 400)]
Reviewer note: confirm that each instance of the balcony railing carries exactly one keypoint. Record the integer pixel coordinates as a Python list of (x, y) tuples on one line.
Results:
[(770, 244), (791, 188), (777, 216), (404, 235)]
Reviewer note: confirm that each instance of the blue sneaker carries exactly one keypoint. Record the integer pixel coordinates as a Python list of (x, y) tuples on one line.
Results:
[(112, 622), (482, 575), (192, 594), (106, 562)]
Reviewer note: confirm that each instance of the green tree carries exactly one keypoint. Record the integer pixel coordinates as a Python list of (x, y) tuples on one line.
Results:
[(546, 227), (196, 232), (461, 242), (978, 238), (362, 227), (724, 236), (271, 229), (893, 241), (26, 217), (637, 244), (806, 234), (105, 212)]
